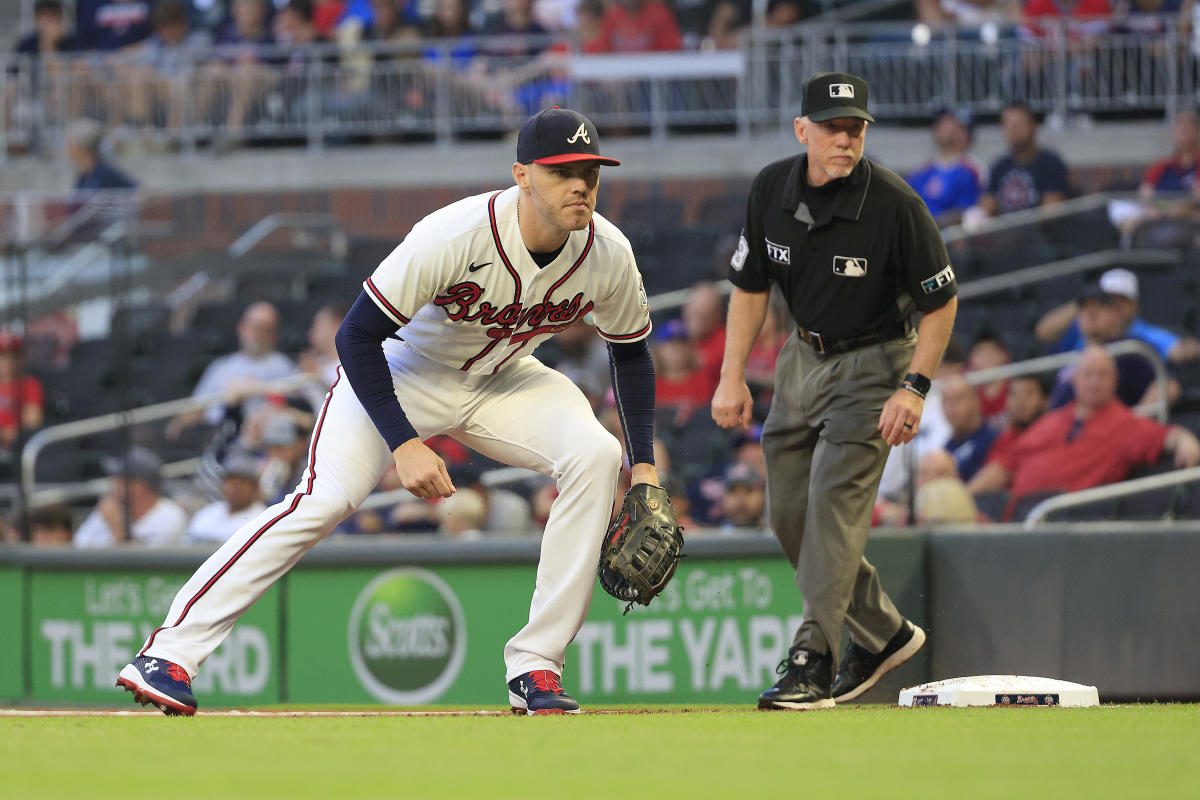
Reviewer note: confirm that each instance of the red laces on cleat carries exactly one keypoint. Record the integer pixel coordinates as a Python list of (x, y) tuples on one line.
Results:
[(178, 673), (546, 681)]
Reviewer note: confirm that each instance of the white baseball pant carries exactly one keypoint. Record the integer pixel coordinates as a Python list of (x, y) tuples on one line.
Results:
[(527, 415)]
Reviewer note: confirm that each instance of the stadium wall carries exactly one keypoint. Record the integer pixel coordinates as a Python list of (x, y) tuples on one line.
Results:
[(411, 623)]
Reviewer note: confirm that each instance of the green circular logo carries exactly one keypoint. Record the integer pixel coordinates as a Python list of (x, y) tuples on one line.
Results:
[(407, 636)]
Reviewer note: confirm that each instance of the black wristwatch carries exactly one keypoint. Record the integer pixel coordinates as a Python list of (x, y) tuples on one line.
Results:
[(917, 383)]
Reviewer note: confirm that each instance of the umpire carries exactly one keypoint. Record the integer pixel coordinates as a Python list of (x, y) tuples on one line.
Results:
[(856, 253)]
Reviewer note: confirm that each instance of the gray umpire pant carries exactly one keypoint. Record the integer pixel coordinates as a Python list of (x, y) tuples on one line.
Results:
[(824, 459)]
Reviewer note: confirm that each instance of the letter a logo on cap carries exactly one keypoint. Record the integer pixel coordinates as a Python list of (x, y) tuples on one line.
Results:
[(841, 90), (583, 134)]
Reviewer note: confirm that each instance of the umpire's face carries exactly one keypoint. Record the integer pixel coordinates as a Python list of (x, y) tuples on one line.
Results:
[(834, 146)]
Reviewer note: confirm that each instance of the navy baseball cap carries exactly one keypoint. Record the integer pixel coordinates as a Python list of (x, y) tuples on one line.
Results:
[(560, 136), (833, 95)]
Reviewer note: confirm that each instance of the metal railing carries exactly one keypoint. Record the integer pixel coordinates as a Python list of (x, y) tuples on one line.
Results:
[(441, 89), (124, 419), (1107, 492)]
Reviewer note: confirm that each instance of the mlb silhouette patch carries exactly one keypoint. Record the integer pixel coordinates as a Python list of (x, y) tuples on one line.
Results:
[(849, 267), (841, 90)]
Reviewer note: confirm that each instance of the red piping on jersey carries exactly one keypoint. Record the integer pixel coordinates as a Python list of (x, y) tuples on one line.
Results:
[(586, 249), (500, 248), (383, 301), (312, 475), (625, 336)]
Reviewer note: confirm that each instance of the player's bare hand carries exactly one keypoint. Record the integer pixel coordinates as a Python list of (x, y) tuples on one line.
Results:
[(732, 405), (422, 471), (901, 417)]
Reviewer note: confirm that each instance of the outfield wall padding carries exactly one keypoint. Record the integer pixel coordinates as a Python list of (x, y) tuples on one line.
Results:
[(418, 621)]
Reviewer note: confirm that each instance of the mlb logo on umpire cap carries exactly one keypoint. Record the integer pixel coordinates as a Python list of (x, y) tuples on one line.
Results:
[(833, 95), (560, 136)]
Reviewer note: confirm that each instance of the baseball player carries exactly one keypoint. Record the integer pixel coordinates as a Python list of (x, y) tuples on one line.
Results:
[(440, 341)]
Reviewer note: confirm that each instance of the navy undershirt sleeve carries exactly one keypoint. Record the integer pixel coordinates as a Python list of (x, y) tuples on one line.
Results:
[(359, 343), (632, 370)]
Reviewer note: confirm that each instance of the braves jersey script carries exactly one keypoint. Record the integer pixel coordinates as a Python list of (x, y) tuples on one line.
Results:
[(469, 295)]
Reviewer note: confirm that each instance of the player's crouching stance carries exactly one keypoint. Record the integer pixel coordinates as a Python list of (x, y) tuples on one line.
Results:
[(440, 342)]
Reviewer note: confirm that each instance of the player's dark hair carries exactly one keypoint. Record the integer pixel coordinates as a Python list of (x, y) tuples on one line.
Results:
[(301, 8), (1019, 105), (168, 12), (1043, 382), (48, 7)]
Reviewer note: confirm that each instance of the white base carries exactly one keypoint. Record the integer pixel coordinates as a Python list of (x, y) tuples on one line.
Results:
[(1000, 690)]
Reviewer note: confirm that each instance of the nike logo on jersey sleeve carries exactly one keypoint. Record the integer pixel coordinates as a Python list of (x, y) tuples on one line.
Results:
[(473, 267)]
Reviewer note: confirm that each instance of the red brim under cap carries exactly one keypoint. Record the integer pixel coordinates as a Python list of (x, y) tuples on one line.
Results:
[(567, 158)]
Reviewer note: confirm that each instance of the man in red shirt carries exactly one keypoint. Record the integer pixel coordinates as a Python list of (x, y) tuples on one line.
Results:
[(22, 402), (1092, 441), (704, 317), (639, 26), (1027, 399)]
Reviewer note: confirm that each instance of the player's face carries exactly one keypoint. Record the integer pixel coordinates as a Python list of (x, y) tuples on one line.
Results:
[(834, 146), (564, 195)]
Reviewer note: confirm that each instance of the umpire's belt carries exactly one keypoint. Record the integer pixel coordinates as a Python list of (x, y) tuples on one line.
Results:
[(826, 346)]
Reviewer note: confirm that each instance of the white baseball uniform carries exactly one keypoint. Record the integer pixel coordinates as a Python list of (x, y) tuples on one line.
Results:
[(473, 306)]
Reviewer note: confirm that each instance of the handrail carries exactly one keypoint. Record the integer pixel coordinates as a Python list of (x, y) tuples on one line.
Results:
[(1099, 260), (1122, 489), (260, 230), (492, 477), (121, 419), (1002, 222), (1058, 360), (65, 492)]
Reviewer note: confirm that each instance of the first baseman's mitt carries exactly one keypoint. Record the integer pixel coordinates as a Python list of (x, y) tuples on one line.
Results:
[(642, 547)]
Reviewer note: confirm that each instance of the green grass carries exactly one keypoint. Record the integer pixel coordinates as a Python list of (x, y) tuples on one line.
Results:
[(853, 752)]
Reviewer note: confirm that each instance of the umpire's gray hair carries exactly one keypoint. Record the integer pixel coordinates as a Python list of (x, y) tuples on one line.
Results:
[(87, 134)]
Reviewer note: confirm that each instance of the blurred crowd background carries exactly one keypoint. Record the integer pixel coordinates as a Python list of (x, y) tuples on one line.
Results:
[(165, 351)]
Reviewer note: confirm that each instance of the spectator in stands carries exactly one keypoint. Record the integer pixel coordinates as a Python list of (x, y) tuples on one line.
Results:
[(241, 376), (503, 510), (152, 81), (706, 490), (92, 172), (989, 351), (680, 383), (704, 317), (240, 501), (785, 13), (1028, 176), (50, 526), (522, 67), (970, 437), (1092, 441), (1164, 214), (111, 24), (22, 400), (1085, 20), (295, 29), (286, 457), (237, 78), (945, 501), (392, 23), (581, 355), (461, 516), (639, 26), (743, 501), (1177, 173), (760, 364), (951, 182), (321, 358), (49, 34), (725, 22), (967, 12), (153, 519), (1028, 398), (590, 26), (1061, 325), (1101, 321)]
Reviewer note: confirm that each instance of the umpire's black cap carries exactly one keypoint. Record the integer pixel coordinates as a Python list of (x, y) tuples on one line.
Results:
[(832, 95), (559, 136)]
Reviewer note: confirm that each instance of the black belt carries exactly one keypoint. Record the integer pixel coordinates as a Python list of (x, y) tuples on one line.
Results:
[(826, 346)]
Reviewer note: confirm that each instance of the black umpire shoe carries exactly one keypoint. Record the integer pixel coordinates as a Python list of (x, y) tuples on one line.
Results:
[(860, 670), (806, 675)]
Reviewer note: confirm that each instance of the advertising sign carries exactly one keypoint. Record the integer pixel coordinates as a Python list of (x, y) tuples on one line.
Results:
[(84, 627)]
